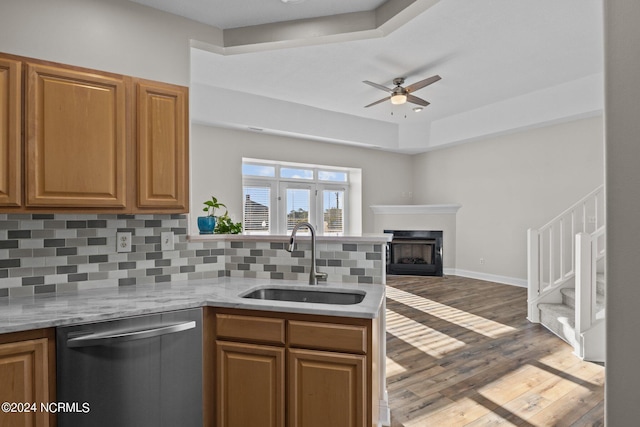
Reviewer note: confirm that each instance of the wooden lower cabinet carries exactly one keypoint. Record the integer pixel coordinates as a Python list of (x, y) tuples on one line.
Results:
[(250, 385), (278, 369), (25, 376), (326, 389)]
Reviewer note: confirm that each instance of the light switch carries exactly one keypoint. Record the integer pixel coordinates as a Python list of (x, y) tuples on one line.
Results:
[(123, 241), (166, 240)]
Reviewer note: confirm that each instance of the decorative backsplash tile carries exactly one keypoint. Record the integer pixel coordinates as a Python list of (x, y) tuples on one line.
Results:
[(354, 263), (53, 253), (43, 253)]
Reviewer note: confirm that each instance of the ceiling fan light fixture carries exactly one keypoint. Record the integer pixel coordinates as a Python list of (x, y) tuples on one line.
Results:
[(401, 95), (398, 98)]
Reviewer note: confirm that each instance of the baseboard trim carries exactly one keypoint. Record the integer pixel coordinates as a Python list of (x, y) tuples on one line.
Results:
[(513, 281)]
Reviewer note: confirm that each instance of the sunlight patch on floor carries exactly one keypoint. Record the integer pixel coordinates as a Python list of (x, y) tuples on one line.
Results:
[(393, 368), (424, 338), (586, 375), (456, 414), (514, 383), (470, 321)]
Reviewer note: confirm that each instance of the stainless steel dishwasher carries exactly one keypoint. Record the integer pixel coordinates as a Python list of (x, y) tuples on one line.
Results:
[(132, 372)]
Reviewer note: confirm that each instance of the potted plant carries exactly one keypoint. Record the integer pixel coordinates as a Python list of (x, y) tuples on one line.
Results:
[(206, 224), (225, 225)]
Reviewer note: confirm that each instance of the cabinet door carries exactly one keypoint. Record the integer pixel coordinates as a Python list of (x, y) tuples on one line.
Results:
[(24, 379), (326, 389), (163, 155), (250, 385), (10, 134), (76, 138)]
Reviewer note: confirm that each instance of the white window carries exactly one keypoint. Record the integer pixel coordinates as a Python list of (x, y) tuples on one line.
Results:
[(297, 205), (257, 206), (249, 169), (333, 211), (296, 173), (332, 176), (278, 195)]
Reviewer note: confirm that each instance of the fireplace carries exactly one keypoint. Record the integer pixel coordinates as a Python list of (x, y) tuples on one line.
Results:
[(415, 252)]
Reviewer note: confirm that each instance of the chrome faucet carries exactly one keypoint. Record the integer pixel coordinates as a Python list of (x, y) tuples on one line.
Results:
[(313, 274)]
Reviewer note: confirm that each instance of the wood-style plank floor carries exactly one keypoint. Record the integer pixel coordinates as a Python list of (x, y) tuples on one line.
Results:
[(460, 352)]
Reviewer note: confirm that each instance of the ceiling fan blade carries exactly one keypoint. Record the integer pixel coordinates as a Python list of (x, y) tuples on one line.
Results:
[(378, 102), (386, 89), (414, 99), (422, 83)]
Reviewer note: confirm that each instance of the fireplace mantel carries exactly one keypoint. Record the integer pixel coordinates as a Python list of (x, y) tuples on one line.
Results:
[(415, 209), (421, 217)]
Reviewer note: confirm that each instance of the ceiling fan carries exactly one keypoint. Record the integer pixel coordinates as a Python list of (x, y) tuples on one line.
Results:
[(400, 95)]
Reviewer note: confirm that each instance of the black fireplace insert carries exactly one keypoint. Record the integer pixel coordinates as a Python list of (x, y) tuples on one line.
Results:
[(415, 252)]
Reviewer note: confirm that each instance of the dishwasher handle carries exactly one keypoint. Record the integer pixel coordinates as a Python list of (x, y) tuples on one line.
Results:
[(115, 337)]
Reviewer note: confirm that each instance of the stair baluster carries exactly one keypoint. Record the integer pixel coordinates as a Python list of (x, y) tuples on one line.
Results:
[(565, 257)]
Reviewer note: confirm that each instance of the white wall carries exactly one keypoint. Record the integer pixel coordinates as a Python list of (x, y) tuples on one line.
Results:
[(216, 158), (115, 35), (622, 123), (215, 106), (123, 37), (507, 184)]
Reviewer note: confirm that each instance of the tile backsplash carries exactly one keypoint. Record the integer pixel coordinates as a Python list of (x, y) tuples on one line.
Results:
[(343, 262), (53, 253), (44, 253)]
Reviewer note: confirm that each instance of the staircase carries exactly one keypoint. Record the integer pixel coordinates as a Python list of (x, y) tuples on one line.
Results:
[(560, 318), (566, 276)]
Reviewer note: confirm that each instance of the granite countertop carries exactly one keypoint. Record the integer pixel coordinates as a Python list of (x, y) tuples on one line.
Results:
[(357, 238), (50, 310)]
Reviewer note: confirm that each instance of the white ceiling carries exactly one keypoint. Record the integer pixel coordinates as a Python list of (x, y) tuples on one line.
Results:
[(492, 55), (241, 13)]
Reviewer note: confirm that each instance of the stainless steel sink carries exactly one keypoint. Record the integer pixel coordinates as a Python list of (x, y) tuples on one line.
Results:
[(311, 295)]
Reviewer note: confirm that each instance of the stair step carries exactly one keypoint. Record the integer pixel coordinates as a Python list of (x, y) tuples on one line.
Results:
[(559, 319), (569, 298), (600, 283)]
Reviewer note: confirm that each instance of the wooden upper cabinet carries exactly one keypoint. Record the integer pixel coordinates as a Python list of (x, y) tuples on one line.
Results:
[(10, 132), (76, 138), (79, 139), (162, 146)]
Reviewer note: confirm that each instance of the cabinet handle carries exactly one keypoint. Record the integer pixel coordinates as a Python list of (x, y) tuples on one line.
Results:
[(115, 337)]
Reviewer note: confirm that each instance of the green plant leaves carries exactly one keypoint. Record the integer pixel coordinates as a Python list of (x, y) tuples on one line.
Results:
[(211, 206), (225, 225)]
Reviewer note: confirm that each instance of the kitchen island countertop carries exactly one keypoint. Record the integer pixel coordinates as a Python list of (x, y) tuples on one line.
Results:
[(95, 305)]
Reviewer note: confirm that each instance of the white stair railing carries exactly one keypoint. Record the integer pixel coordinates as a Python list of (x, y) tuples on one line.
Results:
[(551, 248), (590, 248), (590, 320)]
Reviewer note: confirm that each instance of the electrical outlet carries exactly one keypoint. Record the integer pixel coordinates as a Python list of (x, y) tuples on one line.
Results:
[(166, 240), (482, 261), (123, 241), (591, 219)]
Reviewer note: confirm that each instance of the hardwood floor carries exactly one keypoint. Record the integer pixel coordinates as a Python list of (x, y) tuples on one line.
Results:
[(460, 352)]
